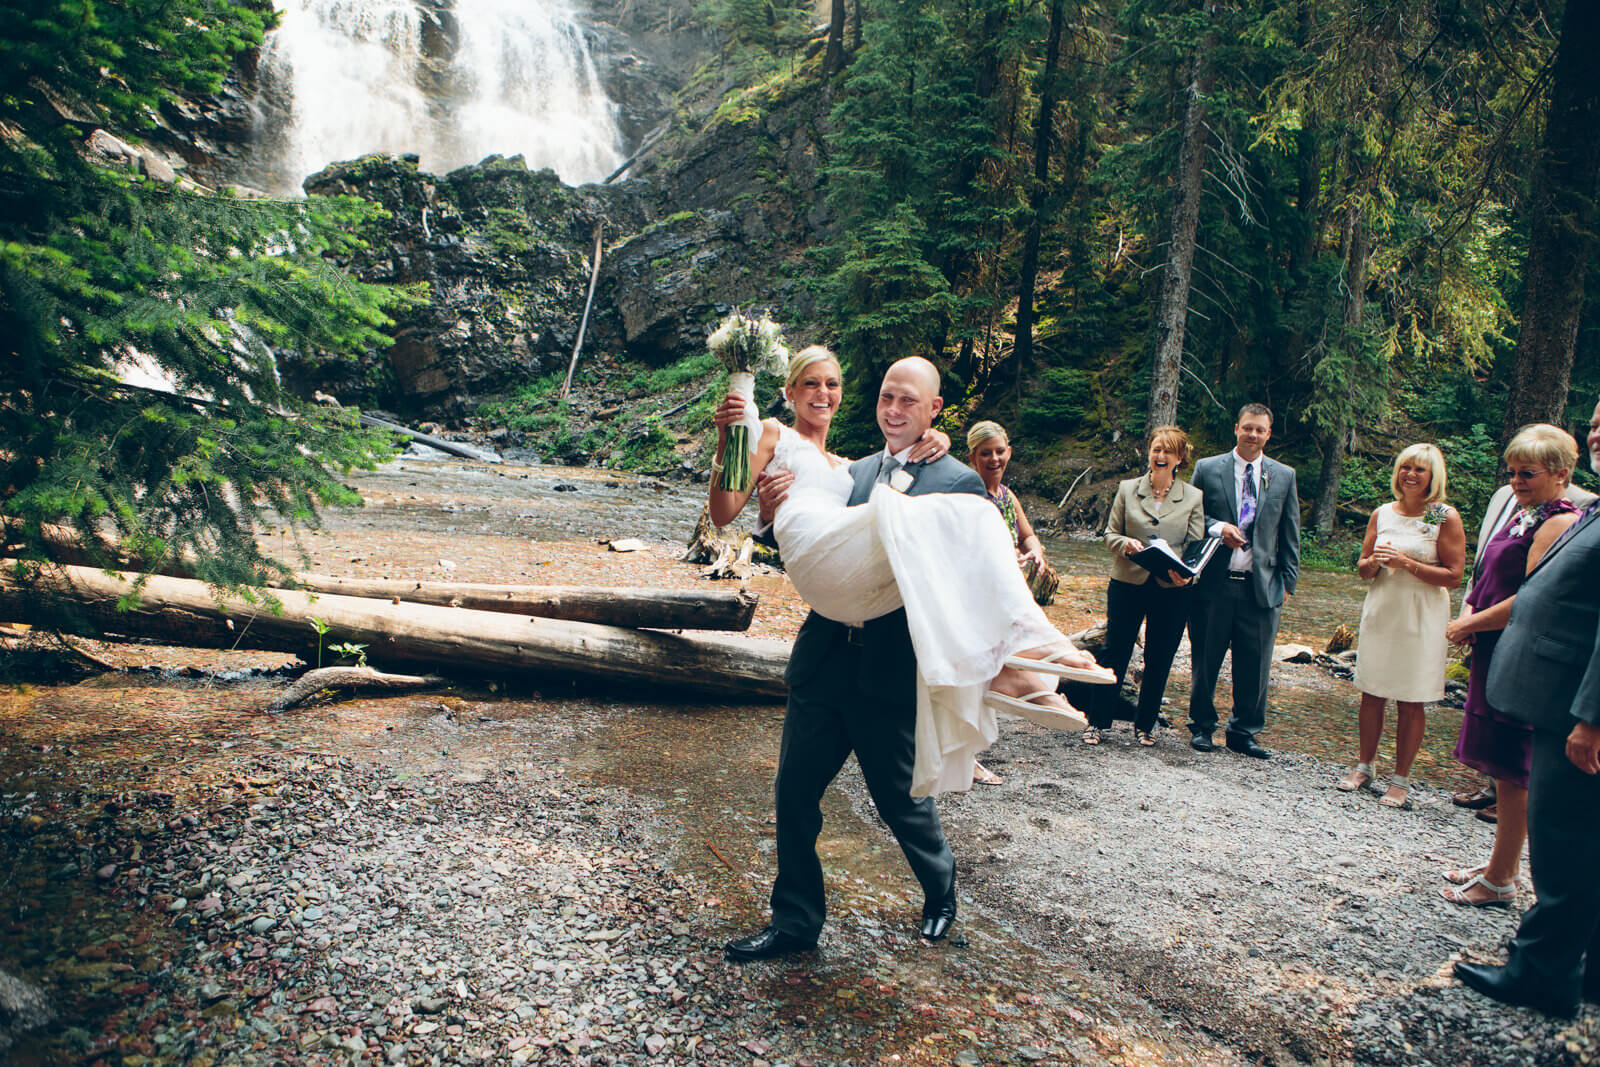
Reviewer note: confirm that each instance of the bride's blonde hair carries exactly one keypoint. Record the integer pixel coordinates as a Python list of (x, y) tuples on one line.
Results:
[(800, 361)]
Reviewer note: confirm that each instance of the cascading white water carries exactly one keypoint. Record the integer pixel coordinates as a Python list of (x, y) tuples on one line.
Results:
[(450, 80)]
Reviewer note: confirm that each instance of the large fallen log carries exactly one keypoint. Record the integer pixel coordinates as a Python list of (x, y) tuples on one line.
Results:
[(657, 609), (187, 612)]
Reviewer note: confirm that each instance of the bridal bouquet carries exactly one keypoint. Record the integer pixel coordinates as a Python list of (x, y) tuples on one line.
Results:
[(745, 344)]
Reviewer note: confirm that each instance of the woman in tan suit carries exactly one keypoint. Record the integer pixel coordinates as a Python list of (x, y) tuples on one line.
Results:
[(1156, 504)]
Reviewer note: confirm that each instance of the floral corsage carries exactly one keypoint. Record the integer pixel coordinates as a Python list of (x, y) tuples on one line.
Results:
[(1435, 515), (1530, 518)]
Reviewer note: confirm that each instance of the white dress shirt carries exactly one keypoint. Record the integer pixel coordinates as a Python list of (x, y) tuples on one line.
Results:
[(1242, 558)]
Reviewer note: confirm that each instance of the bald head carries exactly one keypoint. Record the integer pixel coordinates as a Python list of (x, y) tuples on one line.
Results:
[(908, 401)]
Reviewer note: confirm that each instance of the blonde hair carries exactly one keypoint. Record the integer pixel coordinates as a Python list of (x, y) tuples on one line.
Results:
[(1173, 440), (1549, 446), (979, 432), (1434, 459), (803, 359)]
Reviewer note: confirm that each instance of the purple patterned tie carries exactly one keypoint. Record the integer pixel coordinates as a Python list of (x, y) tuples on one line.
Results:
[(1247, 502)]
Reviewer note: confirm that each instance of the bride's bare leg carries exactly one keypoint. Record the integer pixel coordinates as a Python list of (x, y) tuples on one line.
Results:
[(1012, 682)]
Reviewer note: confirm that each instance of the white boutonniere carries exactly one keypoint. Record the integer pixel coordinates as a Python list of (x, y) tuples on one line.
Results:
[(1265, 480), (900, 481)]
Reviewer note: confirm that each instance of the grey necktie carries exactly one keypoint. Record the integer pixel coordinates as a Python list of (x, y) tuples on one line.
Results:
[(890, 465)]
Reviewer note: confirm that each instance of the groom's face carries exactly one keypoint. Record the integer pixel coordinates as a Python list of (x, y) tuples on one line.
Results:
[(907, 403)]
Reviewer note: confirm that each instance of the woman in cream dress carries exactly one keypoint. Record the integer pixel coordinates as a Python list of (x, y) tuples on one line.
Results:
[(1413, 555)]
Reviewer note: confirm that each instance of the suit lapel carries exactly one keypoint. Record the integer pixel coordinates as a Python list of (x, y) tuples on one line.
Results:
[(1231, 482)]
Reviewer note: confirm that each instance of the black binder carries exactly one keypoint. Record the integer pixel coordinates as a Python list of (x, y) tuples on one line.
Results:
[(1158, 557)]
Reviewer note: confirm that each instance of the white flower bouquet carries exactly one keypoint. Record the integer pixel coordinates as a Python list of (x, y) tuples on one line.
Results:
[(746, 344)]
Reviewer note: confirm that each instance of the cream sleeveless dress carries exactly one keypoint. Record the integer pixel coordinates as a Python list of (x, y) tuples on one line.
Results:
[(948, 559), (1400, 653)]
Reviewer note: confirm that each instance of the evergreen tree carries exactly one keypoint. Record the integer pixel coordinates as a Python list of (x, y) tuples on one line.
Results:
[(103, 270)]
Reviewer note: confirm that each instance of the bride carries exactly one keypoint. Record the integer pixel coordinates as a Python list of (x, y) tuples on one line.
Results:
[(981, 642)]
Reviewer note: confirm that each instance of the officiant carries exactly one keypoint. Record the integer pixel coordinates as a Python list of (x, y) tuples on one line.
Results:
[(1157, 504)]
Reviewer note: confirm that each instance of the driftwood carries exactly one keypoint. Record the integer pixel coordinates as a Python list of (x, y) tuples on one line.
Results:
[(659, 609), (314, 681), (583, 324), (461, 639), (455, 448)]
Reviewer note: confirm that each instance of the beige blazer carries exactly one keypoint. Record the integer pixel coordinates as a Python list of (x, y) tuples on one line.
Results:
[(1134, 520)]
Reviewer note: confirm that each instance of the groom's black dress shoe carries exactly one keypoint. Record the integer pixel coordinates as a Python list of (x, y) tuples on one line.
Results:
[(1249, 748), (1202, 743), (1497, 983), (765, 945), (937, 915)]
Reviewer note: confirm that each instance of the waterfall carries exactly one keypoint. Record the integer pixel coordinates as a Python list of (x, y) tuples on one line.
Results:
[(450, 80)]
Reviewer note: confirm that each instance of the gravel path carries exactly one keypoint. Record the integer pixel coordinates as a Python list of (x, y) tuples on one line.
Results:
[(1296, 922)]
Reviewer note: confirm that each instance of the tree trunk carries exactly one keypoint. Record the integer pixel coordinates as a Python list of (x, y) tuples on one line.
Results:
[(833, 58), (1023, 349), (1333, 441), (1172, 306), (83, 599), (856, 32), (1561, 238), (640, 608)]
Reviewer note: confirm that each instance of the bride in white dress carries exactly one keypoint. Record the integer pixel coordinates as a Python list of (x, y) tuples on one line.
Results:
[(980, 639)]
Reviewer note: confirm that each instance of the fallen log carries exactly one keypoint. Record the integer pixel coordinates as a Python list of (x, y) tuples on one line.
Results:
[(459, 639), (454, 448), (656, 609), (312, 682)]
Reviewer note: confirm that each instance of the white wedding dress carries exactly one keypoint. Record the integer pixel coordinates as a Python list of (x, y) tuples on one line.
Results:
[(948, 559)]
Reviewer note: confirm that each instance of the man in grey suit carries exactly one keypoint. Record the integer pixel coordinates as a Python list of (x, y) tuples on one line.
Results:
[(1546, 671), (1251, 503), (853, 689)]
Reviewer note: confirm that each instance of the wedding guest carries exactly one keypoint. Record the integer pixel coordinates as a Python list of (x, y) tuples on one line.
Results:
[(1539, 459), (989, 453), (1156, 504), (1502, 507), (1413, 555)]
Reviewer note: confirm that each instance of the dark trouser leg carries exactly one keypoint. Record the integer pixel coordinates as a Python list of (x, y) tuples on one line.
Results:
[(815, 745), (1165, 617), (1125, 610), (1210, 625), (1564, 839), (1254, 630), (883, 733)]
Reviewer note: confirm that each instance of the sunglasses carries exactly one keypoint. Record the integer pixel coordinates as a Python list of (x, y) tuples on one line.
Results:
[(1525, 475)]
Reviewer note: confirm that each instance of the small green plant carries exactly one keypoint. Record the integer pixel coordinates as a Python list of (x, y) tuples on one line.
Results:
[(350, 650), (322, 629)]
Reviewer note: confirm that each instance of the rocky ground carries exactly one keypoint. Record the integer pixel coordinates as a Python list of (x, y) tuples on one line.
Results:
[(502, 873)]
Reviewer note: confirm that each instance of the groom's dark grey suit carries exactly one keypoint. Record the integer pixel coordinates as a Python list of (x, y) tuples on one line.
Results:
[(853, 689)]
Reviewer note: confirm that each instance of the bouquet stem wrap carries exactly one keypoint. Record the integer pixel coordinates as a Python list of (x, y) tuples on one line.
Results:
[(743, 437)]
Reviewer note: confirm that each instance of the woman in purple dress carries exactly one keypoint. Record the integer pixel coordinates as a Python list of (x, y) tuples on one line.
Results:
[(1539, 459)]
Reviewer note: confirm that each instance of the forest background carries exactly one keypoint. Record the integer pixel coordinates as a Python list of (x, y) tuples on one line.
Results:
[(1096, 216)]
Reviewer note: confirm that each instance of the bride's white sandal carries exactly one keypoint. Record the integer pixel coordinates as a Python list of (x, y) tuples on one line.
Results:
[(1055, 718), (1051, 665)]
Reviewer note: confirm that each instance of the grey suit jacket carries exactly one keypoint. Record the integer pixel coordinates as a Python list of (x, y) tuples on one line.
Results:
[(886, 641), (1274, 537), (1180, 520), (1546, 666)]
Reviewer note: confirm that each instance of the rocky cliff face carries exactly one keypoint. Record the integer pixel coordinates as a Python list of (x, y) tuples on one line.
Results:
[(506, 256)]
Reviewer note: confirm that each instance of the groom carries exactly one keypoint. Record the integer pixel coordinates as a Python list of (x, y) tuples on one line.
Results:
[(853, 689)]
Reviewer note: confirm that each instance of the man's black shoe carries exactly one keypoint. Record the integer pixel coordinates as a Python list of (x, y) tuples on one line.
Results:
[(1202, 743), (1249, 748), (937, 915), (1496, 982), (765, 945)]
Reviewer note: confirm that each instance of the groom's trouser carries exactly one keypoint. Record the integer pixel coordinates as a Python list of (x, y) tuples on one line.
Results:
[(850, 690)]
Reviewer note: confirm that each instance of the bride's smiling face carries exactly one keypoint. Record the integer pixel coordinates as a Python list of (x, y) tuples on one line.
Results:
[(817, 394)]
